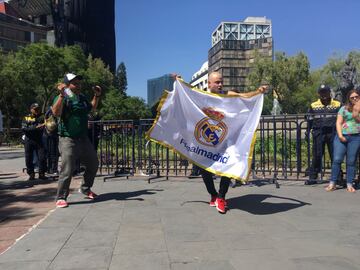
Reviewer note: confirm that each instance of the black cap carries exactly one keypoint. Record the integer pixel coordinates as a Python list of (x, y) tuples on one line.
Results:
[(324, 88), (34, 105)]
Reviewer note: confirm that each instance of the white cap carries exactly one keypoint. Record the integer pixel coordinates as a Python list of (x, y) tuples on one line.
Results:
[(71, 76)]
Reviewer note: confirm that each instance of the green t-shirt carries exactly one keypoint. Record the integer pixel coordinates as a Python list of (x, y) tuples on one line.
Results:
[(74, 118), (350, 125)]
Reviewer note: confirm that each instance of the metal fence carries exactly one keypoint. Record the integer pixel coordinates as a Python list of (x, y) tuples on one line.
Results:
[(283, 150)]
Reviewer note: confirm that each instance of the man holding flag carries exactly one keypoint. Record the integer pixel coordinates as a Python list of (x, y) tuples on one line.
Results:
[(215, 130), (215, 84)]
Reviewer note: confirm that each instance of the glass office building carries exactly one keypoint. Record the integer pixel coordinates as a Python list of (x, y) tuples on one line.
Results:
[(156, 87), (87, 23)]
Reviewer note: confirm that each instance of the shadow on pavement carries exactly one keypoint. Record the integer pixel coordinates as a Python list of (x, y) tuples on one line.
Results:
[(120, 196), (8, 177), (6, 156), (256, 204), (22, 184), (21, 205)]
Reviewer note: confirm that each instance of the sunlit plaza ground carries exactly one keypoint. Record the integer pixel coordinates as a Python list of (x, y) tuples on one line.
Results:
[(168, 224)]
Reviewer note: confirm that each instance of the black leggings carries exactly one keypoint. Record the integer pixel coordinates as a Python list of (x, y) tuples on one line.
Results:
[(209, 183)]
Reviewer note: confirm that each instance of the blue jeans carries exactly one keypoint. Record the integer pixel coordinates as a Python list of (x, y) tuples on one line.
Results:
[(349, 148)]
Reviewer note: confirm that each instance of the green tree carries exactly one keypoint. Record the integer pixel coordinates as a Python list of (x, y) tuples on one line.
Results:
[(119, 107), (286, 77), (16, 93), (354, 56), (30, 75), (97, 73), (112, 105), (74, 59), (329, 73), (40, 66), (121, 79), (136, 108)]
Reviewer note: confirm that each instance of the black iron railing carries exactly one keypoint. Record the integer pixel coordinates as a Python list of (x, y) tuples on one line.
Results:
[(283, 149)]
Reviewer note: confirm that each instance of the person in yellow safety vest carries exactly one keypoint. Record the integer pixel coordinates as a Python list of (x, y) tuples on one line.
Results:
[(321, 121), (33, 128)]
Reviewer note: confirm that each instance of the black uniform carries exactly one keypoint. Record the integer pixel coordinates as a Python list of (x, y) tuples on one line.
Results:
[(33, 143), (322, 122)]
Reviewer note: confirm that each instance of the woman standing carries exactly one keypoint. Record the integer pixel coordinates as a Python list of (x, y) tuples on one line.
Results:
[(347, 140)]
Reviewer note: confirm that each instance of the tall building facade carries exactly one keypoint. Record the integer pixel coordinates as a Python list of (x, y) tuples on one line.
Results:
[(233, 49), (156, 87), (16, 32), (87, 23)]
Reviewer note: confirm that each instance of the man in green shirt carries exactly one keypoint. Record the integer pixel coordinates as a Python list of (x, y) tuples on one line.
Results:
[(72, 108)]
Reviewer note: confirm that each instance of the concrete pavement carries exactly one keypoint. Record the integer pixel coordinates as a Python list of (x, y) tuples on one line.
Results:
[(169, 225), (23, 204)]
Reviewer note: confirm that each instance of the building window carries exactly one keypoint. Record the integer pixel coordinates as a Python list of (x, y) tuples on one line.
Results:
[(246, 31), (231, 31), (39, 37), (28, 36), (262, 31)]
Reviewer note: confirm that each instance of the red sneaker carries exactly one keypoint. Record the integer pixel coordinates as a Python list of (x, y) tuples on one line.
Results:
[(221, 205), (61, 203), (89, 195), (212, 201)]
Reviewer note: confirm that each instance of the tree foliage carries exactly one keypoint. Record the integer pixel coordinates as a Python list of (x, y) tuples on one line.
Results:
[(122, 107), (40, 65), (116, 103), (285, 75), (293, 84), (31, 74), (121, 79)]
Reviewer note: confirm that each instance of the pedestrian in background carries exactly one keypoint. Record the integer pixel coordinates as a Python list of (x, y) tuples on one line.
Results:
[(321, 121), (72, 109), (347, 140), (33, 128)]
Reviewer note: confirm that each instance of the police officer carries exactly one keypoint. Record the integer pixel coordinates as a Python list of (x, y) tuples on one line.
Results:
[(321, 121), (33, 128)]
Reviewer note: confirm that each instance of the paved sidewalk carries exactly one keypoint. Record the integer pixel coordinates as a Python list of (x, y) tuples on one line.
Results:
[(23, 204), (169, 225)]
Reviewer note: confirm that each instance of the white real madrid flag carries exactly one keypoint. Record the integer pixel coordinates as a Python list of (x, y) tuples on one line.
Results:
[(214, 131)]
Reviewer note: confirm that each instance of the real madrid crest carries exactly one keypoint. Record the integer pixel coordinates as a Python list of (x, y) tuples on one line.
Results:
[(211, 131)]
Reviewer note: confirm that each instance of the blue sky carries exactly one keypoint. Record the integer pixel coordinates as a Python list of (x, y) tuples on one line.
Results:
[(158, 37)]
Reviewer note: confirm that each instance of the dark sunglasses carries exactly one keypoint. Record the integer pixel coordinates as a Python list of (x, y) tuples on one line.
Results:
[(75, 83)]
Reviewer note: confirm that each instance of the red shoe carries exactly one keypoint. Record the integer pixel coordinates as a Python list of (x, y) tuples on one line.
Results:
[(89, 195), (221, 205), (61, 203), (212, 201)]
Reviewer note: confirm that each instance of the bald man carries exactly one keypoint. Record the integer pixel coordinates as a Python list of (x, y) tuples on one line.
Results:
[(215, 85)]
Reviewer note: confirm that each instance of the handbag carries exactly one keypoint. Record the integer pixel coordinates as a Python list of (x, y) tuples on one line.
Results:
[(50, 124)]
